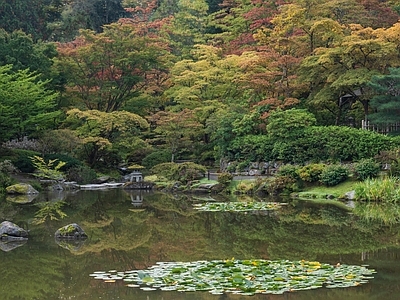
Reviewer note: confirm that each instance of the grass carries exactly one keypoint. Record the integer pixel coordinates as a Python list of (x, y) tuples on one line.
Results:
[(321, 192)]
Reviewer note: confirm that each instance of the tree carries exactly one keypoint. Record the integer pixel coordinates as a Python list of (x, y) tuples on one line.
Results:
[(187, 27), (19, 50), (235, 23), (176, 129), (289, 124), (98, 130), (106, 70), (30, 16), (86, 14), (26, 106), (345, 69), (386, 102), (208, 76)]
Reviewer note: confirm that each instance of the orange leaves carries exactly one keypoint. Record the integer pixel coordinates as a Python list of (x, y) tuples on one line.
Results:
[(271, 104)]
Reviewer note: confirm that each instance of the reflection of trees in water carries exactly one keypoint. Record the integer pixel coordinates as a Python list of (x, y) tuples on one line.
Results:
[(168, 229)]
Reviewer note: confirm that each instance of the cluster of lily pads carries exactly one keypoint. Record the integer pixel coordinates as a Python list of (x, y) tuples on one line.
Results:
[(244, 277), (237, 206)]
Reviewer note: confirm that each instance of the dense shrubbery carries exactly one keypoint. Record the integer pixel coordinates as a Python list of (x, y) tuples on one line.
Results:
[(225, 178), (155, 158), (6, 167), (81, 174), (313, 144), (251, 148), (183, 172), (366, 169), (281, 184), (22, 160), (334, 174), (291, 171), (311, 173), (246, 187), (69, 161)]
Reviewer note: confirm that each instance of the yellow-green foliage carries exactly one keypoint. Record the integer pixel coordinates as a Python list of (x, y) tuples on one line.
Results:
[(311, 172), (382, 190), (225, 178), (246, 187), (183, 172), (48, 170)]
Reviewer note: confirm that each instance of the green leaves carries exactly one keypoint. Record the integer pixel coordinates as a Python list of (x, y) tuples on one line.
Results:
[(49, 211), (237, 206), (243, 277), (26, 105), (49, 170)]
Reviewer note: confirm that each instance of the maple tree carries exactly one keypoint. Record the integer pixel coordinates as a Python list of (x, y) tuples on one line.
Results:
[(176, 129), (99, 130), (187, 26), (208, 76), (346, 68), (105, 70)]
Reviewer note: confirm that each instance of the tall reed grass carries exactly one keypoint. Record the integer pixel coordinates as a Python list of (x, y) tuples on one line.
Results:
[(379, 190)]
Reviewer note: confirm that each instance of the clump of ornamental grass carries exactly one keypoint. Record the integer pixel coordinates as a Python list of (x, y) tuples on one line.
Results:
[(245, 187), (379, 190)]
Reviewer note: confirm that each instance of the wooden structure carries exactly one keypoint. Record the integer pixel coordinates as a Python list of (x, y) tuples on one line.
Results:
[(380, 128)]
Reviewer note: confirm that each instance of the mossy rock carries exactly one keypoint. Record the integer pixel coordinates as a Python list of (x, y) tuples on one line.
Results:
[(21, 189), (21, 199), (70, 231)]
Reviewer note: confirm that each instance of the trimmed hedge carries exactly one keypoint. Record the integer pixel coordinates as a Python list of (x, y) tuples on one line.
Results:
[(313, 144)]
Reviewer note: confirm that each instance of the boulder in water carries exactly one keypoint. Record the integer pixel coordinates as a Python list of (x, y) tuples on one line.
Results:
[(11, 231), (72, 231), (21, 189)]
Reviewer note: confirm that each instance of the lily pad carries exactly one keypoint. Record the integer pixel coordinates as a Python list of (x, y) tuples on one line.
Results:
[(244, 277), (237, 206)]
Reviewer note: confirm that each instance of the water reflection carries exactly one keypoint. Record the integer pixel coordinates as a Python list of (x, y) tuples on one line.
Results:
[(128, 230), (11, 245)]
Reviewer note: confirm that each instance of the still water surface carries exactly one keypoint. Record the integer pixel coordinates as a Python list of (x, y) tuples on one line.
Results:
[(134, 231)]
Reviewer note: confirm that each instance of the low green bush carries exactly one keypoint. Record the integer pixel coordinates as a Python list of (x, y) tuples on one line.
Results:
[(311, 173), (290, 171), (183, 172), (334, 174), (366, 169), (225, 178), (22, 160), (246, 187), (281, 184), (156, 158), (5, 181), (81, 174)]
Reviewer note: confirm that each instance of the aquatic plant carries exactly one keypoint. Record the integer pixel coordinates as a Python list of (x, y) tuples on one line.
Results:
[(237, 206), (244, 277)]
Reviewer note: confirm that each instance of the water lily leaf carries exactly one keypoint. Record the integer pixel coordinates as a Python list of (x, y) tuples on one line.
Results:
[(148, 289), (244, 277)]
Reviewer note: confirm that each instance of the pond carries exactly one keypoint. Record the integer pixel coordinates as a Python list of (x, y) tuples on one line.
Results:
[(135, 230)]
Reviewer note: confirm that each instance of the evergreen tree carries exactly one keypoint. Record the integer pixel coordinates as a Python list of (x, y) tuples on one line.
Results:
[(386, 103)]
